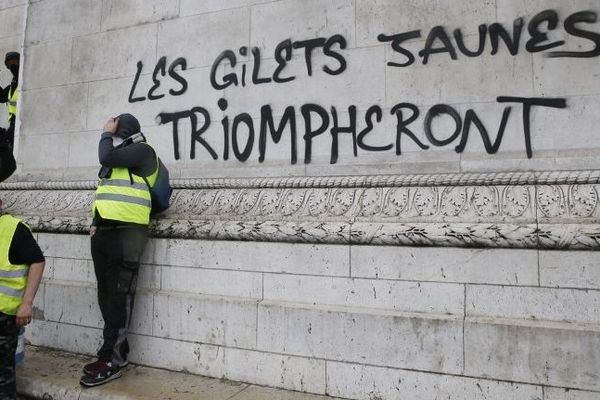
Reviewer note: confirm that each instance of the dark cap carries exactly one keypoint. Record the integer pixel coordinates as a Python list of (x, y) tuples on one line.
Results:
[(128, 125), (12, 55)]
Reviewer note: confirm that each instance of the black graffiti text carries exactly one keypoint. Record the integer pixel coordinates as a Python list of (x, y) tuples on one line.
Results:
[(536, 38), (241, 137), (160, 72), (240, 76)]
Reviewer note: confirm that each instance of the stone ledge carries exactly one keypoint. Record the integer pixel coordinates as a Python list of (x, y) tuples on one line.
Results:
[(379, 210), (49, 374)]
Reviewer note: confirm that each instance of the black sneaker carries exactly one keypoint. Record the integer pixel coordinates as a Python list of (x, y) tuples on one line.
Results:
[(92, 368), (104, 372)]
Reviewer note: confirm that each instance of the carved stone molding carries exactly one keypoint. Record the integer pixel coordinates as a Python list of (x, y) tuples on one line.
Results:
[(466, 179), (551, 216)]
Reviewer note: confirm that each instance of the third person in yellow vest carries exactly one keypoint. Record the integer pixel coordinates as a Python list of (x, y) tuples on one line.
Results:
[(21, 269)]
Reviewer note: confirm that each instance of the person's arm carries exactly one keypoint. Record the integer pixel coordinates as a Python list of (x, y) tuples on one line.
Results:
[(25, 250), (133, 156), (25, 311)]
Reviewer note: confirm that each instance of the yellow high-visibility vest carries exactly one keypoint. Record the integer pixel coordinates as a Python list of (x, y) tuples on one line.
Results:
[(13, 97), (125, 197), (13, 278)]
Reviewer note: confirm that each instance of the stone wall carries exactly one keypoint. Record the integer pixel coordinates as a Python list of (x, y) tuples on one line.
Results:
[(400, 257)]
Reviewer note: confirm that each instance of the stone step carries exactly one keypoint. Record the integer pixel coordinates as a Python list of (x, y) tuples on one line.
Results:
[(50, 374)]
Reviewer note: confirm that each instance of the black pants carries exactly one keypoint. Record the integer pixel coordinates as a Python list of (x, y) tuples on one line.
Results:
[(8, 165), (116, 252), (8, 345)]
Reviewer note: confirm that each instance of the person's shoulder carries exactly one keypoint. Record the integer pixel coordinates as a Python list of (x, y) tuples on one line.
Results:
[(22, 232), (146, 146)]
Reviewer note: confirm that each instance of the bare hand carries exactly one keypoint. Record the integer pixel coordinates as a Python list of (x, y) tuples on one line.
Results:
[(24, 314), (111, 125), (92, 230)]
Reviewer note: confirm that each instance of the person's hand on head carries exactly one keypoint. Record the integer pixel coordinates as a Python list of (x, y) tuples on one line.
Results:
[(111, 125)]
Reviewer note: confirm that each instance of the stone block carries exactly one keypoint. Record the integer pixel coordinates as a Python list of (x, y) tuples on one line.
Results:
[(73, 338), (48, 21), (374, 17), (578, 76), (12, 43), (69, 269), (258, 393), (70, 116), (570, 305), (125, 46), (574, 269), (11, 3), (393, 339), (47, 64), (551, 160), (149, 277), (275, 22), (39, 304), (206, 360), (297, 258), (192, 7), (200, 39), (141, 316), (65, 246), (213, 282), (566, 394), (429, 162), (554, 354), (362, 84), (12, 23), (77, 304), (203, 167), (125, 13), (421, 297), (54, 156), (161, 140), (566, 129), (292, 373), (205, 319), (366, 382), (489, 266), (83, 151)]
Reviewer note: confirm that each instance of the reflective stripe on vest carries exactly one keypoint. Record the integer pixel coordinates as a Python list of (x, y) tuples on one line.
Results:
[(13, 97), (124, 197), (13, 278), (123, 183), (12, 293), (13, 274)]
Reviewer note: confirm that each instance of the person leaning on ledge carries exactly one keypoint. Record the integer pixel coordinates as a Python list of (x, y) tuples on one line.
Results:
[(119, 234), (21, 269)]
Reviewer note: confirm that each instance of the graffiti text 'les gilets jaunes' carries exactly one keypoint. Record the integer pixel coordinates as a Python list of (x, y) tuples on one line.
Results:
[(283, 55)]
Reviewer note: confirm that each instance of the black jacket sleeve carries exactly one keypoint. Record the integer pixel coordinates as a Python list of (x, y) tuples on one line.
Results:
[(23, 248), (139, 157)]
